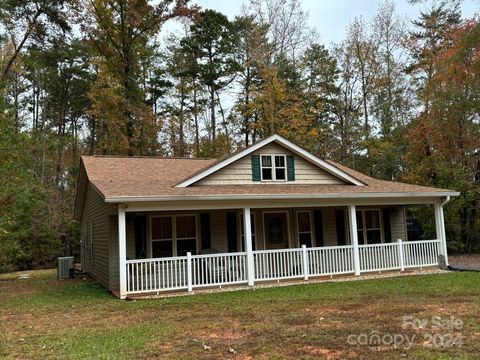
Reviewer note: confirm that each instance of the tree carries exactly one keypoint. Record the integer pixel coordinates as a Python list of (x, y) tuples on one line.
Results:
[(281, 111), (253, 53), (391, 90), (214, 40), (451, 157), (347, 125), (119, 32), (320, 76), (391, 100), (425, 44), (25, 19), (363, 49), (182, 68), (286, 24)]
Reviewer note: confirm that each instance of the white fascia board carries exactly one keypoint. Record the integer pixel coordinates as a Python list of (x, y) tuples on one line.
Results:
[(226, 162), (287, 144), (180, 198)]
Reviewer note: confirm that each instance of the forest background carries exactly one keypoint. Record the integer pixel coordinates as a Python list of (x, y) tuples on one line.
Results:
[(397, 99)]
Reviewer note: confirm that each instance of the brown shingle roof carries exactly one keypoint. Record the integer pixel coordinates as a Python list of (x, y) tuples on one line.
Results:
[(151, 176)]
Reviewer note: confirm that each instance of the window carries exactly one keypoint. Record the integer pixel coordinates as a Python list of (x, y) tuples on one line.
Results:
[(373, 231), (242, 231), (369, 228), (280, 168), (273, 167), (173, 235), (186, 235), (304, 228), (162, 236), (267, 173)]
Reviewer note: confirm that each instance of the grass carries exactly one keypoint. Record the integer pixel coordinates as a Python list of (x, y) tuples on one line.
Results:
[(41, 317)]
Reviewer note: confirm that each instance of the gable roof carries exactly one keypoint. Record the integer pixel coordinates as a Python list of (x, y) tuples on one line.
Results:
[(322, 164), (131, 179)]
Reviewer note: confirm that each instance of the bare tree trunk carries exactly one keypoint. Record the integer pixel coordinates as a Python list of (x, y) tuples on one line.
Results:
[(213, 122), (254, 134), (181, 135), (195, 118), (246, 118), (224, 122), (31, 25)]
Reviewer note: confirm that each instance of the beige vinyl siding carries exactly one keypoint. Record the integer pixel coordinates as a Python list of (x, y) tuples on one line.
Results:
[(329, 227), (398, 223), (130, 248), (240, 172), (114, 258), (97, 212), (218, 230)]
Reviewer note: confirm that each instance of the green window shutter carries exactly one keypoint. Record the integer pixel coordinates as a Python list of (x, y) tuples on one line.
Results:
[(256, 168), (318, 225), (140, 225), (290, 168), (340, 223), (205, 231), (232, 231), (387, 226)]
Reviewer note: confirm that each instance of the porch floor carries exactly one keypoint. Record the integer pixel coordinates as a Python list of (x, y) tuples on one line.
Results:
[(288, 282)]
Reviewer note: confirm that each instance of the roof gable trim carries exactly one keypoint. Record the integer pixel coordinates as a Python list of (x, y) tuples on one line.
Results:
[(285, 143)]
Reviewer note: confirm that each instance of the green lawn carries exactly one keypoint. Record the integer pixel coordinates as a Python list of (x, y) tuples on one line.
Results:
[(44, 317)]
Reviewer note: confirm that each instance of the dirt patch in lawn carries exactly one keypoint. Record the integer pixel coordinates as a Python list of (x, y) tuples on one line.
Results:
[(228, 336), (328, 353), (52, 322)]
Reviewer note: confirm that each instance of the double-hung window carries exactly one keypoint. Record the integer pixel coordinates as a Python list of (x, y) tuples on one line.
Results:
[(372, 228), (304, 228), (173, 235), (186, 235), (369, 228), (162, 236), (273, 167)]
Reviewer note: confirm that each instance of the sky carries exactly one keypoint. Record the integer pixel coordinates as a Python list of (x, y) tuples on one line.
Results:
[(331, 17)]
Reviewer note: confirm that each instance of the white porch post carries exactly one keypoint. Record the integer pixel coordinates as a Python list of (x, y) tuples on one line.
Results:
[(440, 230), (189, 272), (247, 230), (305, 263), (352, 218), (401, 255), (122, 251)]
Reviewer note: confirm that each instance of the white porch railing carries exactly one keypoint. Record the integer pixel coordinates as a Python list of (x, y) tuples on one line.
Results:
[(197, 271), (330, 260), (379, 257), (219, 269), (421, 253), (149, 275), (278, 264)]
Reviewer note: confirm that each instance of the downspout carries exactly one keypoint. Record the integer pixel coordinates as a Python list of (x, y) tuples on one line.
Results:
[(446, 201)]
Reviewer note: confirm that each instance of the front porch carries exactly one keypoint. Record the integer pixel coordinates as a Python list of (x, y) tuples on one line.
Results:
[(164, 251)]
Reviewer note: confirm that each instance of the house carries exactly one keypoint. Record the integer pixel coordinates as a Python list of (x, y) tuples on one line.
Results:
[(269, 212)]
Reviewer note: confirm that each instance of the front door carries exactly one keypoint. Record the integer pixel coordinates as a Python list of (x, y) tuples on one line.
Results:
[(276, 230)]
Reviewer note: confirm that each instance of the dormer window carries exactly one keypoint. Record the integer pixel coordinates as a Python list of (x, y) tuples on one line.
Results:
[(273, 167)]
